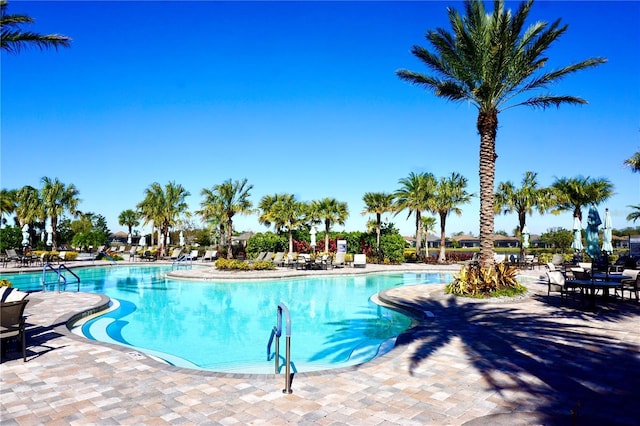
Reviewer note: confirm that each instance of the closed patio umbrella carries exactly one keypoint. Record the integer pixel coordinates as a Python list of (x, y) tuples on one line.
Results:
[(607, 247), (25, 235), (129, 239), (143, 241), (577, 235), (593, 240), (525, 237), (181, 239)]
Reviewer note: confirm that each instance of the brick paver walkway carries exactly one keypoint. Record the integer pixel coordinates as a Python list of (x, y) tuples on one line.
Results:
[(519, 362)]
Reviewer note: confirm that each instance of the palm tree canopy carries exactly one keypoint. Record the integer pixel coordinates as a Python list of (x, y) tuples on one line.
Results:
[(523, 200), (415, 192), (129, 218), (29, 207), (633, 162), (489, 59), (451, 191), (13, 39), (634, 215), (571, 194)]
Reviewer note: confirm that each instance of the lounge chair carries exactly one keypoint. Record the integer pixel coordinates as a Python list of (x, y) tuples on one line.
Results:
[(278, 260), (12, 324), (339, 262), (193, 255), (210, 255), (176, 253), (148, 256), (132, 253), (303, 261), (290, 260), (260, 257), (359, 260)]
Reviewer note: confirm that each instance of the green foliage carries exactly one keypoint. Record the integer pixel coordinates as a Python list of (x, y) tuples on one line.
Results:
[(241, 265), (267, 241), (558, 238), (392, 248), (476, 281), (10, 237)]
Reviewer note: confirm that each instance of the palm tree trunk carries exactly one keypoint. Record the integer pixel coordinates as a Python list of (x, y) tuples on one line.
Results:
[(487, 127), (522, 216), (418, 234), (290, 241), (443, 252), (229, 232), (327, 225), (378, 222), (54, 232)]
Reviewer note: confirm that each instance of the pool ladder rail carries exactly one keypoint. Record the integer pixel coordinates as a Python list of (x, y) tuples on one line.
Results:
[(61, 278), (277, 332), (184, 260)]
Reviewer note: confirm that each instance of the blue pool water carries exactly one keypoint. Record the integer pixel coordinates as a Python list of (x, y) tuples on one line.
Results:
[(225, 326)]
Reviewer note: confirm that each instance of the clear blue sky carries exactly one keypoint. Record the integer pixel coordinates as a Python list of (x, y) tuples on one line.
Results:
[(298, 97)]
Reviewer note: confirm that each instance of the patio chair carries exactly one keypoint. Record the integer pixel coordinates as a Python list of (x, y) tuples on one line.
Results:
[(193, 255), (303, 261), (557, 283), (12, 325), (149, 256), (260, 257), (278, 260), (339, 262), (290, 260), (558, 260), (632, 285)]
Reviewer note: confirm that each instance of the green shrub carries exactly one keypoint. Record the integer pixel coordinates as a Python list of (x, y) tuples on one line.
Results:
[(262, 265), (392, 248), (5, 283), (476, 281), (241, 265)]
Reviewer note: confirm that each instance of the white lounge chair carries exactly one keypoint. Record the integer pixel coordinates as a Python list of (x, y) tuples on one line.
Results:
[(359, 260), (339, 262)]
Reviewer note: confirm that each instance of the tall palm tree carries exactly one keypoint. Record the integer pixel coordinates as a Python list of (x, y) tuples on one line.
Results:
[(377, 203), (212, 212), (633, 162), (129, 218), (7, 202), (233, 198), (428, 225), (13, 39), (523, 200), (266, 206), (58, 198), (163, 206), (489, 60), (29, 207), (330, 211), (415, 195), (571, 194), (450, 193), (289, 214)]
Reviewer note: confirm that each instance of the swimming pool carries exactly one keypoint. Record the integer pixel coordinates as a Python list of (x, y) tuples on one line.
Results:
[(225, 326)]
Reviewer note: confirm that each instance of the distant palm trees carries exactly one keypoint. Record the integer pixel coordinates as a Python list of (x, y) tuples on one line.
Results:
[(226, 200), (451, 191), (284, 212), (13, 39), (163, 206), (377, 203), (489, 59), (415, 195), (523, 200), (129, 218), (329, 211), (58, 198)]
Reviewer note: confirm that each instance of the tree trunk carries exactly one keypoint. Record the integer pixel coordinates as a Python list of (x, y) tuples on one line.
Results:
[(229, 232), (290, 240), (443, 254), (54, 232), (418, 234), (522, 216), (378, 221), (326, 235), (487, 127)]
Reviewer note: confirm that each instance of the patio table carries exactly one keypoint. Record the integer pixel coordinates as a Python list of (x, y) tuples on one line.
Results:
[(590, 286)]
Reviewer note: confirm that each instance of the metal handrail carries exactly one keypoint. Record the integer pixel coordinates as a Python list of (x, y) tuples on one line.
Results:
[(65, 278), (287, 371), (60, 276), (182, 259)]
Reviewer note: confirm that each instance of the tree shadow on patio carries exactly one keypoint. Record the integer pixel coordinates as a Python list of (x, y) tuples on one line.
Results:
[(560, 363)]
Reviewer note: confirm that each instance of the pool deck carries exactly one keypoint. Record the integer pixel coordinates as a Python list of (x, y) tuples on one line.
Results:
[(510, 362)]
